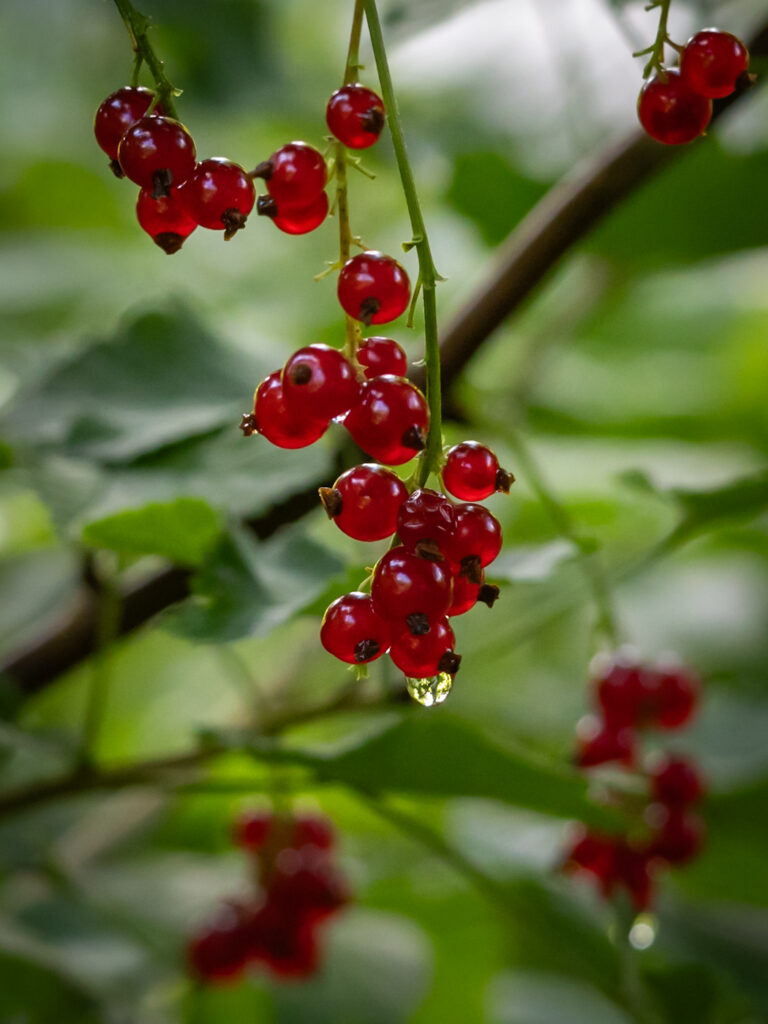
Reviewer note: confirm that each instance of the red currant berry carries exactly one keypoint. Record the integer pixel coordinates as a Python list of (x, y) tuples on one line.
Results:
[(674, 697), (425, 523), (405, 585), (157, 152), (380, 356), (679, 833), (165, 220), (373, 288), (251, 829), (364, 502), (312, 830), (712, 62), (219, 195), (390, 420), (355, 115), (465, 596), (295, 174), (305, 884), (472, 472), (600, 743), (593, 854), (280, 422), (633, 871), (116, 115), (294, 220), (675, 781), (476, 540), (620, 688), (353, 631), (320, 380), (284, 942), (424, 655), (670, 111), (220, 951)]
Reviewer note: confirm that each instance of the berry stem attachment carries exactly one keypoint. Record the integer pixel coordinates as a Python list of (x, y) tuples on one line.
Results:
[(656, 49), (432, 457), (354, 335), (138, 25)]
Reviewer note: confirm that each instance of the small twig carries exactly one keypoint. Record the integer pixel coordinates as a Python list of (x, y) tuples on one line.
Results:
[(137, 25)]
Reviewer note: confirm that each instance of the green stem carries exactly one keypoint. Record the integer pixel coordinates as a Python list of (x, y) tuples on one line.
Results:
[(432, 457), (107, 630), (137, 25), (656, 50)]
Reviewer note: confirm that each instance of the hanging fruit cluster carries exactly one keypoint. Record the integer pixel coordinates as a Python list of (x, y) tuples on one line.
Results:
[(666, 830), (295, 888), (675, 104)]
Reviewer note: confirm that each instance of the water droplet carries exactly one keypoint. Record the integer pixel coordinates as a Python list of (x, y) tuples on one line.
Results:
[(430, 691), (643, 932)]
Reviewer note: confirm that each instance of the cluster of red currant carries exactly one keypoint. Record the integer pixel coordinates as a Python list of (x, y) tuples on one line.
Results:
[(675, 105), (667, 831), (296, 888)]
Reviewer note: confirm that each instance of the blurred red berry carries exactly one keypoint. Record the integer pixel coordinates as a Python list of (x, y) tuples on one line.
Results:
[(712, 62)]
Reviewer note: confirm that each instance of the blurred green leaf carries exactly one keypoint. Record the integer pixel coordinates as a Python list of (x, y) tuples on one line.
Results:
[(489, 191), (184, 531), (34, 995), (542, 997)]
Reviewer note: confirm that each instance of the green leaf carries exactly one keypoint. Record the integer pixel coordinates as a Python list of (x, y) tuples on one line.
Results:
[(38, 996), (541, 997), (248, 588), (184, 531)]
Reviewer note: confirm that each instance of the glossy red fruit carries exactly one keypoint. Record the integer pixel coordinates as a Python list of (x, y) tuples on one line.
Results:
[(165, 220), (465, 595), (712, 62), (670, 111), (219, 195), (425, 523), (424, 654), (312, 830), (353, 631), (675, 781), (364, 502), (476, 540), (220, 951), (472, 472), (295, 174), (284, 942), (405, 585), (117, 113), (620, 687), (390, 420), (280, 422), (675, 693), (380, 356), (306, 884), (373, 288), (251, 829), (593, 854), (355, 115), (600, 743), (156, 153), (294, 220), (679, 834), (320, 380)]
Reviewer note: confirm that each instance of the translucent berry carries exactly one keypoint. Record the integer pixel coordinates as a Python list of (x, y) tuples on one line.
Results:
[(679, 833), (675, 781), (476, 540), (389, 420), (670, 111), (220, 951), (355, 115), (712, 62), (620, 688), (364, 502), (219, 195), (466, 595), (352, 631), (115, 116), (251, 829), (165, 220), (674, 697), (422, 655), (295, 174), (380, 356), (600, 743), (425, 523), (320, 380), (157, 152), (294, 220), (405, 585), (281, 423), (472, 472), (373, 288)]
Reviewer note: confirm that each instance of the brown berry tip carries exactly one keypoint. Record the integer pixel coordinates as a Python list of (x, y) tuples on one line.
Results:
[(169, 241), (471, 569), (162, 180), (373, 120), (417, 623), (301, 373), (116, 169), (248, 424), (233, 220), (266, 206), (428, 549), (413, 438), (488, 594), (745, 81), (366, 650), (449, 663), (504, 480), (263, 170), (368, 309), (332, 501)]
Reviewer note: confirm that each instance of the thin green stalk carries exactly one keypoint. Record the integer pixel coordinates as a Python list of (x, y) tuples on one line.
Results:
[(110, 609), (137, 25), (432, 457), (656, 49)]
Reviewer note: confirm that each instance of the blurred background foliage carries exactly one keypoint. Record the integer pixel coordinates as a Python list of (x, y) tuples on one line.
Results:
[(638, 377)]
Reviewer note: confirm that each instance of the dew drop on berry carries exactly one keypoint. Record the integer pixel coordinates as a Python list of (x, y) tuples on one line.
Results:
[(431, 691)]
